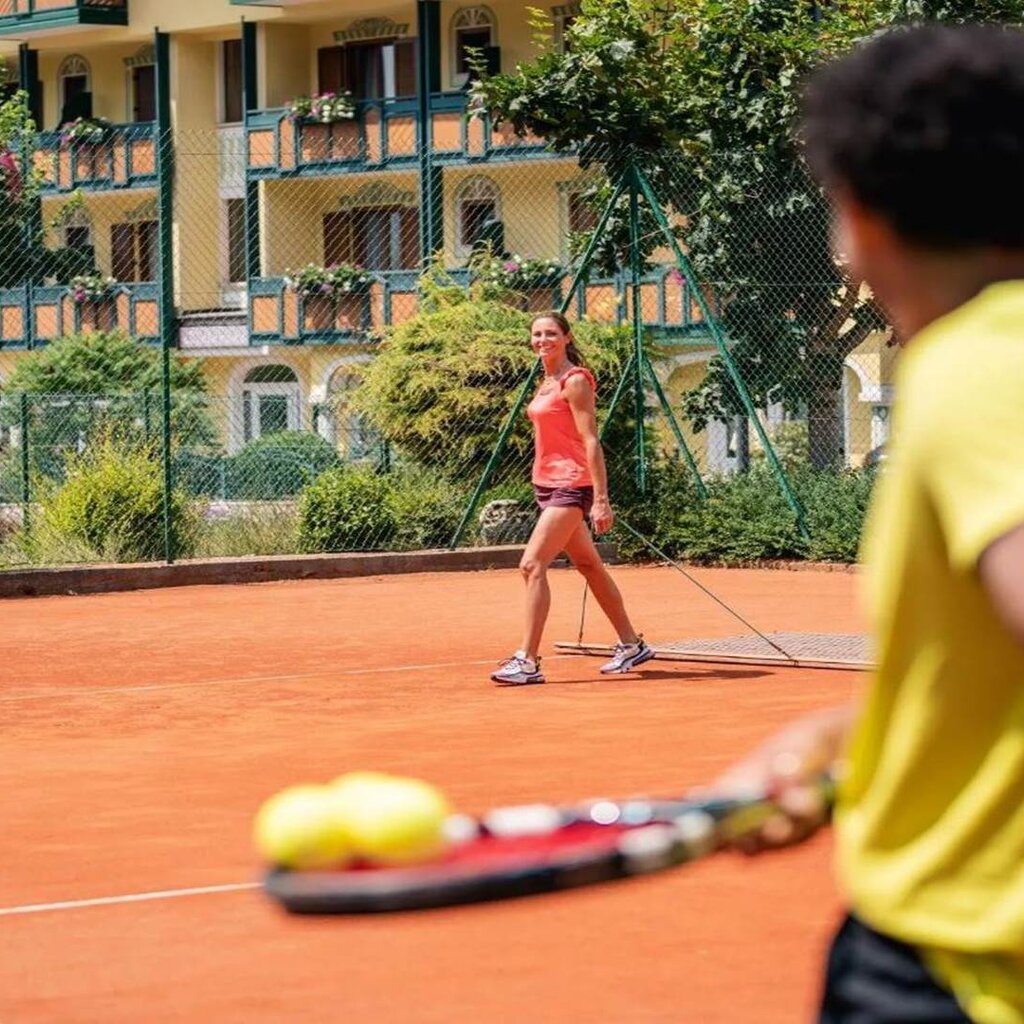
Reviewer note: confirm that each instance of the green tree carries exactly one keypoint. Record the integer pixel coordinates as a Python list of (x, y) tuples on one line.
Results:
[(702, 95), (445, 381), (25, 258), (84, 386)]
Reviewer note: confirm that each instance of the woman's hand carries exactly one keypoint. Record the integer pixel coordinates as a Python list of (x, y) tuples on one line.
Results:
[(602, 516)]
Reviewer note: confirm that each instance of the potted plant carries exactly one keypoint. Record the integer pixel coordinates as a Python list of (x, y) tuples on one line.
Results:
[(93, 294), (324, 108), (517, 274), (85, 130), (326, 291)]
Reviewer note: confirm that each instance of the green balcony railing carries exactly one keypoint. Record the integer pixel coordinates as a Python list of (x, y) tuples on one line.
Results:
[(384, 133), (34, 315), (124, 158), (22, 17), (279, 316)]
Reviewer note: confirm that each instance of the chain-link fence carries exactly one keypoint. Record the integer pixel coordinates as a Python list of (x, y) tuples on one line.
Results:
[(314, 336)]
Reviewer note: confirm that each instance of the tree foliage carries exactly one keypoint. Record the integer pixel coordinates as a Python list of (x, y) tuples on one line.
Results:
[(445, 381), (702, 95), (82, 387)]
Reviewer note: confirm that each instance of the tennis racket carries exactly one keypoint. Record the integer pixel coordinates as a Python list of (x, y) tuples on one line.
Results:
[(524, 851)]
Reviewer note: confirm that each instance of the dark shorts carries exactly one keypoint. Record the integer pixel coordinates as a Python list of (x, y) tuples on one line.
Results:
[(565, 497), (872, 979)]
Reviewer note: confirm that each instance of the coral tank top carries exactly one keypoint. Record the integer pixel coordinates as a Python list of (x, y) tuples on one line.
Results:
[(560, 458)]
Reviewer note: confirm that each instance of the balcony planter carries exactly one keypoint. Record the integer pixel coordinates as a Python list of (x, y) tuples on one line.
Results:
[(93, 294), (333, 298)]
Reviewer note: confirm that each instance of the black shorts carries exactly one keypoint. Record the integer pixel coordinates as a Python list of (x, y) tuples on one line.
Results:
[(872, 979), (565, 497)]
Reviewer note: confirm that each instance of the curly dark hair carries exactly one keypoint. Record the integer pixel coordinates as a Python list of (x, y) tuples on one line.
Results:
[(925, 126)]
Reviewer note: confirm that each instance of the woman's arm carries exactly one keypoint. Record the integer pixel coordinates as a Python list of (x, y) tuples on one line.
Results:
[(580, 396)]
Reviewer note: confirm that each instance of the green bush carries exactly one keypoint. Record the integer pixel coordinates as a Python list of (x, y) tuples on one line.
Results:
[(836, 505), (348, 508), (427, 509), (279, 465), (745, 518), (112, 502)]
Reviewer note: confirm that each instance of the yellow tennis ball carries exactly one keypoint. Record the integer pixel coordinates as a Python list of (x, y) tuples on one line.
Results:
[(392, 820), (301, 828)]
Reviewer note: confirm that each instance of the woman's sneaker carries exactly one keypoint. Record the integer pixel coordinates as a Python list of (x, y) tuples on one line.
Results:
[(519, 670), (627, 657)]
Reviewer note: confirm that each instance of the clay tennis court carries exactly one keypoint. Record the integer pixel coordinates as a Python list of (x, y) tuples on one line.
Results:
[(141, 731)]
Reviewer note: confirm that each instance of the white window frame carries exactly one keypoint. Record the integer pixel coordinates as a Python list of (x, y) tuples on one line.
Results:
[(72, 66), (476, 188), (221, 98), (472, 18), (252, 393)]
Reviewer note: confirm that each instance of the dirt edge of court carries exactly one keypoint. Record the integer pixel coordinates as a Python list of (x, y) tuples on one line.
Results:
[(103, 579)]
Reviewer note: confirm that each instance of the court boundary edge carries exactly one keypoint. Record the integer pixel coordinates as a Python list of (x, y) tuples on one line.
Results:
[(102, 579)]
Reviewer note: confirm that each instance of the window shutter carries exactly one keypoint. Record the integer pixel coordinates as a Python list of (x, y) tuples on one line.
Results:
[(122, 248), (339, 240), (409, 238)]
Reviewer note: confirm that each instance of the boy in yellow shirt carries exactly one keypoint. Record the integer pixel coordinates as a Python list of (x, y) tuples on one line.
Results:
[(918, 136)]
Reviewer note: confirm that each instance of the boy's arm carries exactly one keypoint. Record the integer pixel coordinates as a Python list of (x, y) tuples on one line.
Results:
[(1001, 569)]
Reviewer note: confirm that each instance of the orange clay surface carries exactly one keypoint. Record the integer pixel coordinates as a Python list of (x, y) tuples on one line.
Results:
[(140, 732)]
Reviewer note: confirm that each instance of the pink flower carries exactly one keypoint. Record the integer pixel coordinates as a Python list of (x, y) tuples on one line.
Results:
[(510, 266)]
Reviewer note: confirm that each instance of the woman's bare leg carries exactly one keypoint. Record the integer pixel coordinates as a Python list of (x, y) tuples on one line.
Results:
[(553, 530), (584, 555)]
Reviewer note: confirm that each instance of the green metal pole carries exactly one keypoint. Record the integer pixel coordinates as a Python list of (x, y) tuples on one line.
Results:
[(26, 474), (716, 334), (499, 449), (517, 409), (614, 404), (684, 448), (165, 177), (639, 410)]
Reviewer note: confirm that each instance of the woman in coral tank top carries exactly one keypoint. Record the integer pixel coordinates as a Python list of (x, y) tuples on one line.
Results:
[(570, 484)]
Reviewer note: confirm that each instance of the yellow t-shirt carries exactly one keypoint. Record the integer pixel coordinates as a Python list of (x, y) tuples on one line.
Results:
[(930, 823)]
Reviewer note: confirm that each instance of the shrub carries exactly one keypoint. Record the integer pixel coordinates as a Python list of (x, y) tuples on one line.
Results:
[(279, 465), (112, 501), (836, 505), (444, 381), (745, 518), (347, 508), (427, 509)]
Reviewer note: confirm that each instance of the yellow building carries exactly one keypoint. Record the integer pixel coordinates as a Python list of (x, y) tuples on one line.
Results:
[(204, 190)]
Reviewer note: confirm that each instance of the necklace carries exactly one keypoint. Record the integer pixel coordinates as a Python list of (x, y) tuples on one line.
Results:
[(554, 378)]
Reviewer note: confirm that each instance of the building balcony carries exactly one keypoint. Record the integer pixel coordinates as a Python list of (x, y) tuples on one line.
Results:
[(30, 17), (383, 134), (32, 315), (125, 158), (279, 316)]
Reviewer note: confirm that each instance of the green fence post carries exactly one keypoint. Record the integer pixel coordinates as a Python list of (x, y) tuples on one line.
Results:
[(684, 448), (165, 199), (639, 405), (26, 465), (723, 350)]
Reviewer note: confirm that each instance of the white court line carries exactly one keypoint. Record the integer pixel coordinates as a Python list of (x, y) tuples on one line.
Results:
[(137, 897), (326, 671)]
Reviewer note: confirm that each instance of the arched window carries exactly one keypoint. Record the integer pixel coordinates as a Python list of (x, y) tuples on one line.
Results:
[(270, 401), (477, 204), (77, 230), (74, 88), (473, 28), (339, 424)]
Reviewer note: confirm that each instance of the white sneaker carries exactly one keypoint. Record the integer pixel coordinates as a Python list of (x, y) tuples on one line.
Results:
[(627, 657), (519, 670)]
